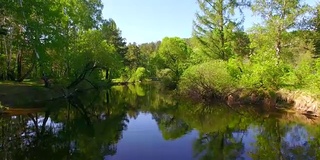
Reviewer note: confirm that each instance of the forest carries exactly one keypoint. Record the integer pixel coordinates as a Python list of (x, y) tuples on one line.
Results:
[(66, 42)]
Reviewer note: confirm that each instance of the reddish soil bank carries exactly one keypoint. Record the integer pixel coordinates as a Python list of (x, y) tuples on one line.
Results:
[(299, 101)]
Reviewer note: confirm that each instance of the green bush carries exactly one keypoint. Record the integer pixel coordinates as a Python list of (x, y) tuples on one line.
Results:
[(207, 79), (138, 75), (167, 77), (235, 67), (263, 71), (304, 76), (308, 75)]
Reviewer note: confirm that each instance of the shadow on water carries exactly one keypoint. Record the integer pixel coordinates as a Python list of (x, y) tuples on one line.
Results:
[(90, 125), (80, 127)]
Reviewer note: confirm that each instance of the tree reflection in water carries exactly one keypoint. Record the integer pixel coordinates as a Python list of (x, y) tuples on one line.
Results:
[(68, 129), (89, 125)]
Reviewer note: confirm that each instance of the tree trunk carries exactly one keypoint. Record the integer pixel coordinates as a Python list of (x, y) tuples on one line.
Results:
[(5, 74), (46, 81), (9, 76), (278, 44), (20, 79), (107, 73), (107, 97), (19, 64), (278, 48), (90, 66), (1, 52)]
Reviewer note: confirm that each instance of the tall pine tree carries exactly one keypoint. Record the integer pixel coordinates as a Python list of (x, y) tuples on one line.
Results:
[(215, 26), (113, 36)]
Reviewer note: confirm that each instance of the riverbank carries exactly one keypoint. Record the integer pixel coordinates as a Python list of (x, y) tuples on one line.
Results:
[(16, 95), (20, 94), (29, 94), (296, 100), (301, 101)]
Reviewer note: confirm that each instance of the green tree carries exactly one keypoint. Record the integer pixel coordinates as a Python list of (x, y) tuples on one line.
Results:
[(279, 16), (113, 36), (93, 48), (132, 57), (215, 25), (174, 55), (41, 33), (138, 75), (315, 28), (148, 52)]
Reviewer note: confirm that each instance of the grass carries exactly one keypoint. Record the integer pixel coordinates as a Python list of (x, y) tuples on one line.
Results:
[(14, 94)]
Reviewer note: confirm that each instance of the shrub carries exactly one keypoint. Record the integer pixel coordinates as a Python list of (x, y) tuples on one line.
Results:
[(308, 73), (235, 67), (305, 75), (167, 77), (206, 79), (263, 71), (138, 75)]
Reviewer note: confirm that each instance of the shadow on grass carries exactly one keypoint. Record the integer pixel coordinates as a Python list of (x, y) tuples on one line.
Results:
[(19, 94)]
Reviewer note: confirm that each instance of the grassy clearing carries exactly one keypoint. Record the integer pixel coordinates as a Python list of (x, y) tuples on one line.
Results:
[(19, 94)]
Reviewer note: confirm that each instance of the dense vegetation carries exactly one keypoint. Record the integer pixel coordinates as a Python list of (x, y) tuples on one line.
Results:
[(64, 42), (279, 52)]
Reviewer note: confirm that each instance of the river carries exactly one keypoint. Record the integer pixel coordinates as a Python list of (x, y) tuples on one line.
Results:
[(142, 122)]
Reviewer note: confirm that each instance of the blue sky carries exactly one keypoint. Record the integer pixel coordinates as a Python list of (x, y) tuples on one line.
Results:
[(150, 20)]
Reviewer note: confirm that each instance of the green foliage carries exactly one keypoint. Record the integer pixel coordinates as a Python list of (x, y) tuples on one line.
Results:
[(198, 55), (132, 56), (113, 36), (167, 76), (139, 75), (3, 70), (263, 71), (147, 57), (92, 48), (215, 25), (61, 37), (278, 18), (234, 67), (207, 78), (302, 71), (315, 24), (260, 40), (307, 74), (173, 54), (303, 76), (241, 43), (42, 35)]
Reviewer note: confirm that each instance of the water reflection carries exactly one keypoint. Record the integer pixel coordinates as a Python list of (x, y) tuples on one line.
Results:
[(146, 122)]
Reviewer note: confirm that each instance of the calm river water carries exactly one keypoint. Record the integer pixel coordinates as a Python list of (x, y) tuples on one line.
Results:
[(145, 122)]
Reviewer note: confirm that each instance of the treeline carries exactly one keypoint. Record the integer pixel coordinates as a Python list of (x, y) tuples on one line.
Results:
[(67, 40), (279, 52), (221, 58)]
